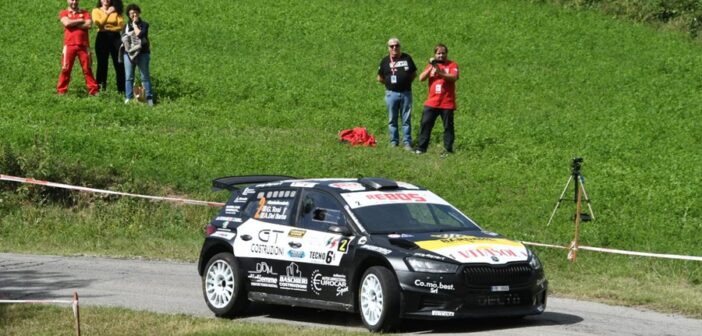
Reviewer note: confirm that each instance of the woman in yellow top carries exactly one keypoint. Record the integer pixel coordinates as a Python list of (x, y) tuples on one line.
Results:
[(107, 17)]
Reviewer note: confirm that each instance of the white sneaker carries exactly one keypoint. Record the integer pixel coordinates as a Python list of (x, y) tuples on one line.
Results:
[(150, 102), (127, 101)]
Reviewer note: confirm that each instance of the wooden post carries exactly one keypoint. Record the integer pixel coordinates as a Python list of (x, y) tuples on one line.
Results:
[(573, 253), (76, 312)]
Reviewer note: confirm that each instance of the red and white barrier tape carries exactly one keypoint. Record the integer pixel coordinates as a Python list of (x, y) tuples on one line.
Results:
[(606, 250), (109, 192), (217, 204)]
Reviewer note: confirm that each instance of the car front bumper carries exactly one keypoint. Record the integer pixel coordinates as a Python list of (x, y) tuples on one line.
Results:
[(445, 296)]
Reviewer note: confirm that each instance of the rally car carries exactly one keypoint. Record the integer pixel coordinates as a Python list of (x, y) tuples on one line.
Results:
[(386, 249)]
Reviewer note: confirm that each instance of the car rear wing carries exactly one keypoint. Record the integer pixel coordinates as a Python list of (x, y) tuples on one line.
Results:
[(230, 182)]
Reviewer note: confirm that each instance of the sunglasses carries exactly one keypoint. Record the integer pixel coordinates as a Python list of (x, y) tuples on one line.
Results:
[(393, 46)]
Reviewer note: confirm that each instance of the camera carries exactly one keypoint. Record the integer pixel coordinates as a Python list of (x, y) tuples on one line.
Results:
[(434, 62), (576, 165)]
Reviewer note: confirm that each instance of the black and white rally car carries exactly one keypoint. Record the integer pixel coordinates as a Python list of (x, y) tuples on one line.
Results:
[(383, 248)]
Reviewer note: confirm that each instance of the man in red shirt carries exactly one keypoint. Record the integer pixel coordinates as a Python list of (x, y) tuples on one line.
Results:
[(442, 74), (76, 23)]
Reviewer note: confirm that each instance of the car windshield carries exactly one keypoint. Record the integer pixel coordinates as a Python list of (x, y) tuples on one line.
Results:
[(413, 217)]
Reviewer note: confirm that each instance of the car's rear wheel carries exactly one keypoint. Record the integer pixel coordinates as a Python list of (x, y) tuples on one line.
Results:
[(223, 286), (379, 299)]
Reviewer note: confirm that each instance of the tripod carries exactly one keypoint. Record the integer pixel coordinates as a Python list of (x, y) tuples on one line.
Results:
[(579, 192)]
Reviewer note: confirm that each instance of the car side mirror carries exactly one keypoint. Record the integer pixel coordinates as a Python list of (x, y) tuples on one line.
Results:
[(339, 229)]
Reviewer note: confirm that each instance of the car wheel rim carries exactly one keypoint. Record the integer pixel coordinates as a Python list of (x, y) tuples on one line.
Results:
[(371, 299), (219, 284)]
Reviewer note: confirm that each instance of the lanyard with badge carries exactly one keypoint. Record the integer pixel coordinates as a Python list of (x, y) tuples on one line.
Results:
[(393, 78)]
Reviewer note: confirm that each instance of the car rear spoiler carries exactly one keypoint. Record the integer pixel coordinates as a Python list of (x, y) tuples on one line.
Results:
[(230, 182)]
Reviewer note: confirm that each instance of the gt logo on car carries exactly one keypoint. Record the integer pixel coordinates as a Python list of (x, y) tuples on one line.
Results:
[(265, 235)]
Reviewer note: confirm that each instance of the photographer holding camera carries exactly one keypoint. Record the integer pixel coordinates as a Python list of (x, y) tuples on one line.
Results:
[(441, 101)]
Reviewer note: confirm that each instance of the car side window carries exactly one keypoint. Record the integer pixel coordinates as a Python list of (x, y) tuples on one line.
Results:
[(319, 210), (272, 206)]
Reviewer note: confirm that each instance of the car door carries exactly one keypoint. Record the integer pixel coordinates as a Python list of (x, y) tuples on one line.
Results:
[(261, 244), (317, 251)]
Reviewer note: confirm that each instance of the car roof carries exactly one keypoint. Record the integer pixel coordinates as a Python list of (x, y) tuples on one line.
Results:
[(334, 185)]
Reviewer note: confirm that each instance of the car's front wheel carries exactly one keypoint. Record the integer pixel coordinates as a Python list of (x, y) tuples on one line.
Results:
[(379, 299), (223, 286)]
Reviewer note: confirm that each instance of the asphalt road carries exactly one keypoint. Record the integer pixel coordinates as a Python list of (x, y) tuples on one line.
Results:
[(172, 287)]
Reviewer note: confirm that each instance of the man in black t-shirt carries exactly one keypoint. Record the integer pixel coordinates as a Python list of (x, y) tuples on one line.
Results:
[(397, 71)]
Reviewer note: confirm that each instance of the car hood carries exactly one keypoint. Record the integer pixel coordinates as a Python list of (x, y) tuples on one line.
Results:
[(465, 247)]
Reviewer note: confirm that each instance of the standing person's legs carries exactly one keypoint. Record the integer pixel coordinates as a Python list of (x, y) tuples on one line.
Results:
[(102, 51), (67, 57), (406, 112), (447, 118), (429, 116), (392, 101), (86, 63), (115, 42), (128, 78), (144, 60)]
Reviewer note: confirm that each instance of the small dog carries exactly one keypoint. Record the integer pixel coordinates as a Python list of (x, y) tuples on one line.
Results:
[(139, 94)]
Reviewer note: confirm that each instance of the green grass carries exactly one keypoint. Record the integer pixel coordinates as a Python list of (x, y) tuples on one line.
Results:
[(35, 320), (263, 88)]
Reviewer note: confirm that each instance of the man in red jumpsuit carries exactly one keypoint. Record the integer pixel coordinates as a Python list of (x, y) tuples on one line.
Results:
[(441, 101), (76, 23)]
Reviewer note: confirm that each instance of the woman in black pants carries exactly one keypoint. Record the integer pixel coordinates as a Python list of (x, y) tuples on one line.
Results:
[(107, 17)]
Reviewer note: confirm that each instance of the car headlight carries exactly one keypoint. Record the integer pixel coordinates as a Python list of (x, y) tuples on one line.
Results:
[(534, 262), (430, 266)]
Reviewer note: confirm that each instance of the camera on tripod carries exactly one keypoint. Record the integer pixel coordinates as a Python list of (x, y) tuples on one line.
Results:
[(576, 165)]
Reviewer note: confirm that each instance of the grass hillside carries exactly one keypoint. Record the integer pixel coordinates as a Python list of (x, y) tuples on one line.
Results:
[(263, 88)]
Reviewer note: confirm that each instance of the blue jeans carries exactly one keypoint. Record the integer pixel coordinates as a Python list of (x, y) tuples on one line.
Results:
[(399, 103), (142, 61)]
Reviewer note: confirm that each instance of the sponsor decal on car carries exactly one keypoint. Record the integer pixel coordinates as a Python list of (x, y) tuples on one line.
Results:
[(303, 184), (272, 209), (241, 199), (224, 234), (374, 248), (296, 233), (273, 241), (293, 279), (266, 250), (502, 299), (297, 254), (319, 282), (442, 313), (338, 243), (350, 186), (248, 191), (224, 218), (232, 209), (269, 184), (369, 198), (400, 235), (406, 185), (263, 276), (433, 286), (470, 249), (362, 240)]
